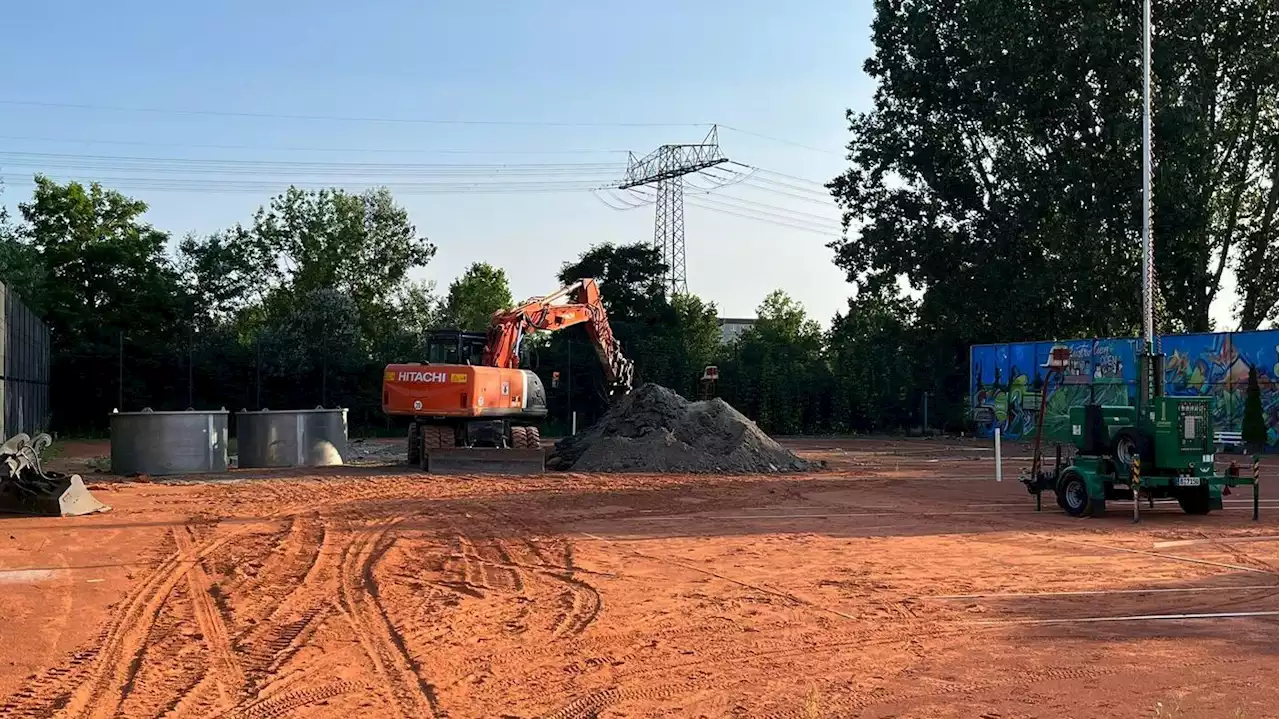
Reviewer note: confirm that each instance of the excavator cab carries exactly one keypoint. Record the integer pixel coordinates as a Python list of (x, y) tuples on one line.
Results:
[(455, 347)]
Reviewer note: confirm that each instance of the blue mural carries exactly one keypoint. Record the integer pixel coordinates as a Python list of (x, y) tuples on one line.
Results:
[(1008, 381)]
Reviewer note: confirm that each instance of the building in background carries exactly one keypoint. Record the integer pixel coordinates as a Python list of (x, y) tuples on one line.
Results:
[(24, 368), (730, 328)]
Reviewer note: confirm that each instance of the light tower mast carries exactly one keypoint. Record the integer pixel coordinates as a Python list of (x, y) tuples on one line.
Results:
[(665, 168)]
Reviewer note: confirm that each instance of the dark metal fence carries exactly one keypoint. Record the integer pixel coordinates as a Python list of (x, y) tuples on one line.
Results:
[(24, 368)]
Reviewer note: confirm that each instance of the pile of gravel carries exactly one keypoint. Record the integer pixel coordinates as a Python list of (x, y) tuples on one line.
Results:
[(656, 430)]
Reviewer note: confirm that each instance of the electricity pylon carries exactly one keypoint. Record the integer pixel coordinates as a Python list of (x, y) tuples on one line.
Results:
[(665, 168)]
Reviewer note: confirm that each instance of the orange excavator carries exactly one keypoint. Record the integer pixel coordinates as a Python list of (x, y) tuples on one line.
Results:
[(471, 405)]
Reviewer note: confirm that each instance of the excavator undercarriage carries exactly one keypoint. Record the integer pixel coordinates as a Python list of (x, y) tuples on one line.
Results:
[(26, 488)]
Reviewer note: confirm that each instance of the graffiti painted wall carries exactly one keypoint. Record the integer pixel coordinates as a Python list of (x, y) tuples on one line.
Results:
[(1007, 385)]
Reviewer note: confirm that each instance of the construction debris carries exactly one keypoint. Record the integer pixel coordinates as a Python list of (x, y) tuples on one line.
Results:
[(26, 488), (656, 430)]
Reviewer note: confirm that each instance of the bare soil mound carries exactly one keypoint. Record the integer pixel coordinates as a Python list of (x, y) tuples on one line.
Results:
[(654, 429)]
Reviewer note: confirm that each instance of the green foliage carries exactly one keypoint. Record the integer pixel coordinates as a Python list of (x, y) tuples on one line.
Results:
[(475, 296), (1253, 430), (998, 174), (95, 270), (777, 373), (870, 349)]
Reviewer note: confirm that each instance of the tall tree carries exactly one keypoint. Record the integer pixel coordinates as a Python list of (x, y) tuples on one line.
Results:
[(695, 337), (307, 240), (999, 168), (475, 296), (777, 374), (871, 351), (103, 274)]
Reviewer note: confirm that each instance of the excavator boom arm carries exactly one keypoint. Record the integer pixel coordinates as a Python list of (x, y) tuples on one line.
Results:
[(577, 303)]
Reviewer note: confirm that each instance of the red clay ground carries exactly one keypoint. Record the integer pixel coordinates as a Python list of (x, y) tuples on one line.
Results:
[(364, 592)]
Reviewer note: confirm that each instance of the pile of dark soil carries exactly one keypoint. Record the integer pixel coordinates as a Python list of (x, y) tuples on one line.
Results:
[(654, 429)]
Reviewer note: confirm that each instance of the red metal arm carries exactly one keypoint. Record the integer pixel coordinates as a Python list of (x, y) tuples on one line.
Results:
[(581, 304)]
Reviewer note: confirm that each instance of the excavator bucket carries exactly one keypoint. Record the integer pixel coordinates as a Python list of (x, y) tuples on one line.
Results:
[(485, 460), (25, 488)]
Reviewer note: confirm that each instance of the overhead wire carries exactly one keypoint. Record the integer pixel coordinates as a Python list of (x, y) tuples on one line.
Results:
[(769, 216), (167, 174), (205, 185), (189, 165), (341, 118), (288, 148), (745, 204)]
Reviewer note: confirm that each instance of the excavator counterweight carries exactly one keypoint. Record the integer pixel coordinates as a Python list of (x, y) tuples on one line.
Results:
[(470, 404)]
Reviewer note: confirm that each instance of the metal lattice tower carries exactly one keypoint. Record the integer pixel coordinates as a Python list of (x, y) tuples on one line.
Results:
[(665, 168)]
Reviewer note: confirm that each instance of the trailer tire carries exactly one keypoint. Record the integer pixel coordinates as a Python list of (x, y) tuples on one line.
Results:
[(1195, 500), (415, 444), (1073, 495)]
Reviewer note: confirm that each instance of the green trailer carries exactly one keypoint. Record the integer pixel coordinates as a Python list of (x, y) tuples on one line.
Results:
[(1161, 449)]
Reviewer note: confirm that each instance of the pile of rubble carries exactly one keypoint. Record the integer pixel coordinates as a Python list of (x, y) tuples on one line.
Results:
[(656, 430)]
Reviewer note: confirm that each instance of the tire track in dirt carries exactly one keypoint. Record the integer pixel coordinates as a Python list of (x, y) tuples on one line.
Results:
[(286, 620), (227, 675), (96, 680), (408, 693), (580, 602), (581, 609), (199, 700), (590, 705), (275, 706), (289, 560)]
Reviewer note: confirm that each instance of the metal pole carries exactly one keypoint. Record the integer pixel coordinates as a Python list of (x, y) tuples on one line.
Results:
[(257, 371), (573, 426), (999, 467), (120, 379), (569, 387), (191, 374), (926, 414), (1135, 479), (1257, 484), (1148, 250)]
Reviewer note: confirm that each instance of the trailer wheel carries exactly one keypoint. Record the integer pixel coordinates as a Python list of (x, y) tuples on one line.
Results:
[(1073, 495), (415, 443), (1194, 500)]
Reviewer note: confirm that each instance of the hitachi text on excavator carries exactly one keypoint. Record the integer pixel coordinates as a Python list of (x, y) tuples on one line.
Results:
[(472, 407)]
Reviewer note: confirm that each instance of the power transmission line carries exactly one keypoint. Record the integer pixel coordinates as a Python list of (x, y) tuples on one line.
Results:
[(285, 148), (172, 164), (772, 138), (341, 118), (405, 120), (203, 185)]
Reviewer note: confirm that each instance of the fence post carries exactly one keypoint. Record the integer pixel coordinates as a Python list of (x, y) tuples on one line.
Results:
[(999, 465), (1257, 485)]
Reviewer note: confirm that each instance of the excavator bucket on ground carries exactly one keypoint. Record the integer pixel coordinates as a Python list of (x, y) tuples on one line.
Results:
[(484, 460), (25, 488)]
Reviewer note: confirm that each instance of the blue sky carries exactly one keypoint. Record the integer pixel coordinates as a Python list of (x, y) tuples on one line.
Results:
[(788, 72)]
